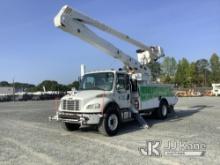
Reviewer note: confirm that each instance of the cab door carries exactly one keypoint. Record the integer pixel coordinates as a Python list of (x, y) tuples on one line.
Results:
[(123, 94)]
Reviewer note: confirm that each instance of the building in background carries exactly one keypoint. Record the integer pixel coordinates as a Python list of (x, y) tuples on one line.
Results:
[(6, 90)]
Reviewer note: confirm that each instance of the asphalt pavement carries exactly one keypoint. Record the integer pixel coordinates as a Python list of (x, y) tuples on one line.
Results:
[(190, 135)]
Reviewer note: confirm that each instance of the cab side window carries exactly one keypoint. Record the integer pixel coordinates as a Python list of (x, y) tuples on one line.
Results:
[(134, 85), (122, 82)]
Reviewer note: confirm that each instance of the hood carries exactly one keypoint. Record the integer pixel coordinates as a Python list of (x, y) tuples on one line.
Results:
[(85, 95)]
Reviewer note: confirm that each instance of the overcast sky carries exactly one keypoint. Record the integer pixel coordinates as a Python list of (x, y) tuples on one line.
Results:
[(32, 49)]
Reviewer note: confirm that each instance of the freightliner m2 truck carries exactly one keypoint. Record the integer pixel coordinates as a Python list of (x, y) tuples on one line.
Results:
[(106, 98)]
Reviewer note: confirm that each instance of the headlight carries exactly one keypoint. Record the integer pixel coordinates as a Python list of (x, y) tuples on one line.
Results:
[(93, 106)]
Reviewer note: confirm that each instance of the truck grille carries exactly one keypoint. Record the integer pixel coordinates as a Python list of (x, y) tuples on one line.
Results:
[(71, 105)]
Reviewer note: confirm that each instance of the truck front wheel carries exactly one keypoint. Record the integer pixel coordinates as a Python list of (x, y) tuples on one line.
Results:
[(110, 123), (70, 126)]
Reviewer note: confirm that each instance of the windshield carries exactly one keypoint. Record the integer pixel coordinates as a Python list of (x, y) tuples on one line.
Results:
[(97, 81)]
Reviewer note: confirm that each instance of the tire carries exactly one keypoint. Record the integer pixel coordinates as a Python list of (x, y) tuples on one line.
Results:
[(109, 125), (70, 126), (162, 111)]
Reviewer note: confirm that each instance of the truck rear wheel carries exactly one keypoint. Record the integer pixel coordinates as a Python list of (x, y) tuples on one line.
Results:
[(162, 110), (110, 123), (70, 126)]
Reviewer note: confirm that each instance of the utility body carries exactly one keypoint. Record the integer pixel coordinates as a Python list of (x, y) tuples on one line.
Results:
[(106, 98)]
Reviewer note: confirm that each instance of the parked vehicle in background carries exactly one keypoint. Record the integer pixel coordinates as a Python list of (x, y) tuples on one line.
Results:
[(216, 89)]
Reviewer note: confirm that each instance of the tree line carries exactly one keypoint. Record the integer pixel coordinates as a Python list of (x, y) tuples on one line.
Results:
[(49, 85), (200, 73)]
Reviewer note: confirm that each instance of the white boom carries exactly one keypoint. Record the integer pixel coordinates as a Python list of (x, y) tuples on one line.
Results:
[(74, 23)]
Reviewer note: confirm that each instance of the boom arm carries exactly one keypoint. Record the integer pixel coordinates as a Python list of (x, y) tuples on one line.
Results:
[(74, 23)]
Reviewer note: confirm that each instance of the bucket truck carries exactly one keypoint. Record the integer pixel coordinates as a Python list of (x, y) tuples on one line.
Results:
[(106, 98)]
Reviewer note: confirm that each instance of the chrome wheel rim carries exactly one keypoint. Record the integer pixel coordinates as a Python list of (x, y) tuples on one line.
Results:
[(164, 110), (113, 122)]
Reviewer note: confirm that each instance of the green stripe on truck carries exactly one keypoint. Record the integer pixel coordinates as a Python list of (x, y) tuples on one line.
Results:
[(149, 92)]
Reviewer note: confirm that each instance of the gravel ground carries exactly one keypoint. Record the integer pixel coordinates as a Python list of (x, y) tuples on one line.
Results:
[(27, 137)]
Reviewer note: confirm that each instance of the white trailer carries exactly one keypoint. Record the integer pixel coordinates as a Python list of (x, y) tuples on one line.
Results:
[(216, 89), (106, 98)]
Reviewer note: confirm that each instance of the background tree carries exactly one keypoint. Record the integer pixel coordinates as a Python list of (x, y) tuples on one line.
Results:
[(182, 77), (184, 74), (215, 68), (169, 66), (4, 84), (193, 76), (168, 69), (202, 67), (49, 85), (18, 86), (155, 70), (23, 86), (74, 84)]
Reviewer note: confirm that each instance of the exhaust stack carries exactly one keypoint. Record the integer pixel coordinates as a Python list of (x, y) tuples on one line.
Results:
[(83, 70)]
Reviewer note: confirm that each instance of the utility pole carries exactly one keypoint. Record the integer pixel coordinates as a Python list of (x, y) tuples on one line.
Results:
[(13, 90)]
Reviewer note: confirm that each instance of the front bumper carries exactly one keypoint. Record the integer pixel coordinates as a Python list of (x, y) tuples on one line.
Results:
[(77, 118)]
